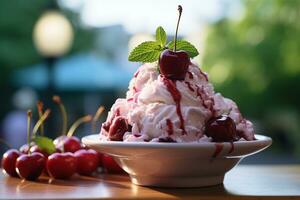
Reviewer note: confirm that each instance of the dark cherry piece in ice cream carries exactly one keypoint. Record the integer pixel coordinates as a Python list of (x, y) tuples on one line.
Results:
[(221, 129), (117, 129)]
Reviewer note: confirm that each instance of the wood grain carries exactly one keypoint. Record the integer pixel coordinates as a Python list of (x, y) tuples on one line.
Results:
[(243, 182)]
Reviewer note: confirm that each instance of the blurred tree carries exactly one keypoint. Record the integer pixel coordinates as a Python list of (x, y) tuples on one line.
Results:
[(256, 62), (17, 19)]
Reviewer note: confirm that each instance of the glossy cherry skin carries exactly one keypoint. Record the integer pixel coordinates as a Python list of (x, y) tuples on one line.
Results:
[(35, 148), (221, 129), (110, 165), (117, 129), (100, 159), (68, 144), (9, 162), (174, 65), (25, 148), (87, 161), (30, 166), (62, 165)]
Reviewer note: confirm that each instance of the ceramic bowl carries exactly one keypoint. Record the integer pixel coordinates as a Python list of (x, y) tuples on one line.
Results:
[(177, 164)]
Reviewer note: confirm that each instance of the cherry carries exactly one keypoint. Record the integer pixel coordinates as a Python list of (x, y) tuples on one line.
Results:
[(68, 144), (61, 165), (100, 159), (25, 148), (221, 129), (110, 165), (87, 161), (30, 166), (36, 148), (9, 161), (117, 129), (174, 64)]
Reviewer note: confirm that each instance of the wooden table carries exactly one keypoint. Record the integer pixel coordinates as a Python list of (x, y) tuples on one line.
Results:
[(243, 182)]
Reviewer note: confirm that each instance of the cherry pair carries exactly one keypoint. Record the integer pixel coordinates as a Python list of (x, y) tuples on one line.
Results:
[(26, 166)]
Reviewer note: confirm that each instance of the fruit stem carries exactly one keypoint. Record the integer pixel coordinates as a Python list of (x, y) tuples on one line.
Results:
[(63, 111), (5, 143), (175, 37), (79, 121), (40, 122), (40, 106), (29, 115), (96, 118)]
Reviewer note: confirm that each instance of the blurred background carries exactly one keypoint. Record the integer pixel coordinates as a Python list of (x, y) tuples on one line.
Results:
[(78, 49)]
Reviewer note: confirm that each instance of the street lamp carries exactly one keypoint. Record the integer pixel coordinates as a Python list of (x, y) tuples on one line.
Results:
[(53, 36)]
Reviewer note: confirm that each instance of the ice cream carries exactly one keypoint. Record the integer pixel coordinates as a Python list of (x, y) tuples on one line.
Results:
[(158, 109)]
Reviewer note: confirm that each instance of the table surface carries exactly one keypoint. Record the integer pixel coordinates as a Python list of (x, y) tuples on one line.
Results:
[(242, 182)]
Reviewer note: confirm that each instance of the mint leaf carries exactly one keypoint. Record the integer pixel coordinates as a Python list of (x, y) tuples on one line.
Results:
[(45, 144), (145, 52), (185, 46), (161, 36)]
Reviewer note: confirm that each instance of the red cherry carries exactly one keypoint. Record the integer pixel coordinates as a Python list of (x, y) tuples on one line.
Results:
[(174, 65), (87, 161), (30, 166), (221, 129), (100, 159), (67, 144), (36, 148), (25, 148), (110, 165), (61, 165), (117, 129), (9, 161), (59, 140)]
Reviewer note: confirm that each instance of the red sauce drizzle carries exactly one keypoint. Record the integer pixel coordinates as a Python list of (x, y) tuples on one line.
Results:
[(201, 93), (118, 112), (171, 86), (189, 86), (231, 147), (219, 148), (203, 74), (137, 135), (130, 99), (136, 73), (134, 89), (170, 127), (190, 75)]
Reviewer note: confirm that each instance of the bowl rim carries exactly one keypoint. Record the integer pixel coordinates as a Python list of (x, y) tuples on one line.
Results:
[(90, 140)]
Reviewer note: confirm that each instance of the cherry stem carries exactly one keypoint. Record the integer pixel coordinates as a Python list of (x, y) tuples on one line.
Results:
[(79, 121), (5, 143), (40, 106), (29, 115), (175, 37), (63, 111), (40, 122), (96, 118)]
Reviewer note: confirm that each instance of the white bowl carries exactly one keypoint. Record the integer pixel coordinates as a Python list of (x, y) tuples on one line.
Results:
[(177, 164)]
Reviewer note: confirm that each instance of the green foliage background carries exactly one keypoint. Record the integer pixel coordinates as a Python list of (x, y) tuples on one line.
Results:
[(256, 62), (17, 19)]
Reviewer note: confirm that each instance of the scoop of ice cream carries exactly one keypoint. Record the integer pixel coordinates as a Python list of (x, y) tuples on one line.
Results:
[(159, 109)]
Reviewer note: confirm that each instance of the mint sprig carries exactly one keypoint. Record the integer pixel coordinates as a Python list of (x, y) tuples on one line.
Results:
[(45, 143), (161, 36), (145, 52), (150, 51), (185, 46)]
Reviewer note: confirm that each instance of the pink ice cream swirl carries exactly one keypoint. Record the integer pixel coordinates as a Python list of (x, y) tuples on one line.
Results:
[(157, 109)]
